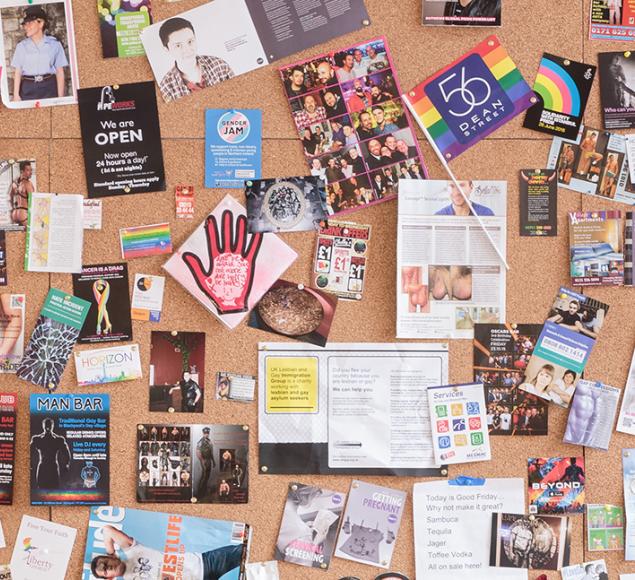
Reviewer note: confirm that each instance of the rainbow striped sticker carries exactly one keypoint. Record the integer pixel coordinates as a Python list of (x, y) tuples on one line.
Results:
[(141, 241), (470, 98), (562, 87)]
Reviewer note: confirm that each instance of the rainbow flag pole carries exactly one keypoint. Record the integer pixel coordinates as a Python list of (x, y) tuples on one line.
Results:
[(456, 183)]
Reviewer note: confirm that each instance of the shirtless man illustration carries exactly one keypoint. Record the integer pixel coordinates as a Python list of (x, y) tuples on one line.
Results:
[(583, 416), (53, 456)]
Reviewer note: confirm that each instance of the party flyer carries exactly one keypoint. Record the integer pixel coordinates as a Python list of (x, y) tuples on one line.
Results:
[(108, 365), (8, 416), (341, 258), (121, 137), (556, 485), (501, 354), (538, 202), (617, 88), (226, 268), (562, 87), (70, 449), (461, 13), (309, 526), (203, 463), (371, 523), (120, 25), (353, 124), (42, 550), (612, 20), (129, 540), (233, 147), (55, 333), (105, 286)]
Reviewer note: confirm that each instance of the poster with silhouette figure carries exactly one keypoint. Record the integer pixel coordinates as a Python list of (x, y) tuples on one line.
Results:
[(202, 463), (69, 449), (227, 269), (105, 286)]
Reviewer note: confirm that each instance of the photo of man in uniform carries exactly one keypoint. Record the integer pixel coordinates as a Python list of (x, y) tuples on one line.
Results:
[(205, 456)]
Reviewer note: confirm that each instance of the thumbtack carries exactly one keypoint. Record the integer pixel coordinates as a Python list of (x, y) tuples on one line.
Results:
[(170, 409), (194, 500), (294, 487), (627, 53), (174, 333), (264, 469), (245, 427), (366, 22), (444, 472), (567, 62)]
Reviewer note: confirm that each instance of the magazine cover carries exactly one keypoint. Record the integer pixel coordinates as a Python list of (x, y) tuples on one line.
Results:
[(192, 463), (8, 416), (130, 543), (226, 268), (595, 246), (17, 181), (309, 526), (605, 527), (462, 12), (534, 542), (12, 307), (285, 204), (70, 449), (53, 338), (562, 350), (370, 524), (501, 354), (556, 485), (177, 371), (105, 286), (353, 125), (42, 550)]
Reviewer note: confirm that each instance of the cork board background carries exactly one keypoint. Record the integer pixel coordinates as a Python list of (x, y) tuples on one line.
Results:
[(538, 266)]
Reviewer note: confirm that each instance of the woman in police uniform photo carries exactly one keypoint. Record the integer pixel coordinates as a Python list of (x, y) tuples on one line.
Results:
[(39, 60)]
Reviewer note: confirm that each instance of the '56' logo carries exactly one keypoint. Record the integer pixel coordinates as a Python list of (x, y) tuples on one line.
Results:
[(469, 99)]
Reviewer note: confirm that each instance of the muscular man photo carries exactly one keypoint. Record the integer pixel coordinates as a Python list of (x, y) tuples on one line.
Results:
[(52, 455)]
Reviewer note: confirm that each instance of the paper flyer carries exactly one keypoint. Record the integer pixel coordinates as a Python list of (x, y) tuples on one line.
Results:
[(370, 524), (8, 417), (556, 485), (17, 182), (605, 527), (233, 147), (142, 241), (12, 320), (538, 202), (459, 427), (147, 297), (446, 513), (70, 456), (53, 338), (108, 365), (120, 25)]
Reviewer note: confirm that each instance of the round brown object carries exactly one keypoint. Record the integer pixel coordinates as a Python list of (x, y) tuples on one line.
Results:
[(291, 311)]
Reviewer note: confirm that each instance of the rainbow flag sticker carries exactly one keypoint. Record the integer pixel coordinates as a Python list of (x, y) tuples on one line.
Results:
[(141, 241), (470, 98)]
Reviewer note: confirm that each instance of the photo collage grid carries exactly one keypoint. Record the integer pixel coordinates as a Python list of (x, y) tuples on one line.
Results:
[(354, 128)]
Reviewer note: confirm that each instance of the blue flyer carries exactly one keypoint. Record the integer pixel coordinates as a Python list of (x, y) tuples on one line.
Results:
[(233, 147)]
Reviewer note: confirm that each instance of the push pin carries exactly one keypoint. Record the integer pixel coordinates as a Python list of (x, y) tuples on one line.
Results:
[(294, 487), (366, 22), (532, 518), (245, 427), (533, 100), (444, 472), (115, 87), (323, 565), (490, 43), (300, 286), (194, 500), (448, 155), (127, 189), (174, 333), (354, 485), (627, 53), (170, 409), (264, 469), (567, 62)]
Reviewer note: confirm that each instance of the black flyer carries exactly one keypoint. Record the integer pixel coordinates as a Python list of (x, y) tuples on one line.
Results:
[(105, 286), (121, 139), (8, 410), (538, 202), (617, 89), (562, 87)]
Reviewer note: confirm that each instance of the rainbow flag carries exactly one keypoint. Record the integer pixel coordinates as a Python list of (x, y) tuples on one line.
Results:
[(141, 241), (470, 98)]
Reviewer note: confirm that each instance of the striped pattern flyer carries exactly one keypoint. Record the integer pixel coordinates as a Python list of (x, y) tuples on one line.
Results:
[(140, 241)]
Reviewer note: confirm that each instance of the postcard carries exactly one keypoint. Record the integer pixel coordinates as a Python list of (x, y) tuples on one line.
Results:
[(538, 202), (141, 241), (120, 25), (108, 365), (605, 527), (147, 297), (235, 387), (12, 319), (17, 182)]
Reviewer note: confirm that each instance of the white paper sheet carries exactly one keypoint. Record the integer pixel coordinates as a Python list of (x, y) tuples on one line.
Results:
[(452, 525)]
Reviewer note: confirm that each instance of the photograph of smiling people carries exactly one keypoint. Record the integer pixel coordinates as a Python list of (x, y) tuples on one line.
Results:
[(186, 58), (40, 63), (584, 318), (549, 381)]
